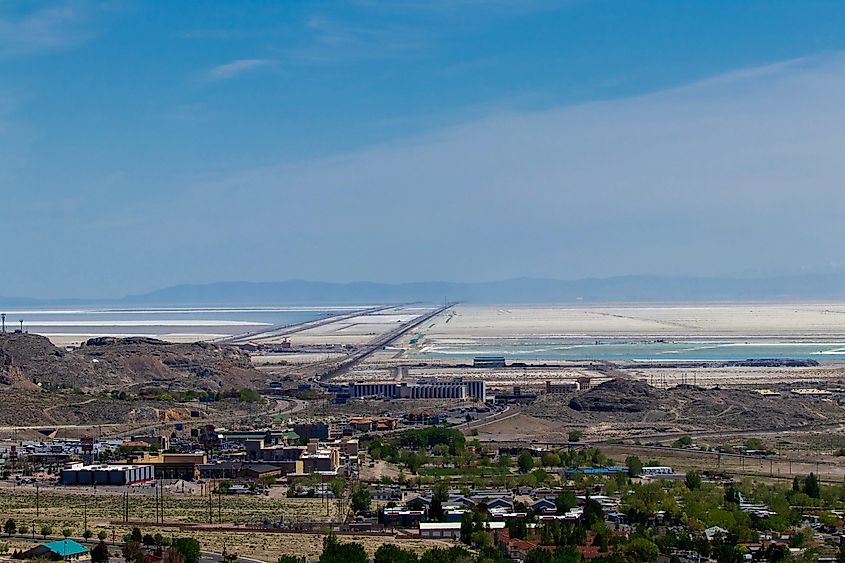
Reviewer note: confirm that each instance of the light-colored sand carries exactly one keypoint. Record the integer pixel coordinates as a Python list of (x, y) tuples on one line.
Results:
[(357, 330), (471, 322)]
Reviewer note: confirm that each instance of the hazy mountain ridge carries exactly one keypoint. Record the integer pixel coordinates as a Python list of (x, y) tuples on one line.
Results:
[(522, 290)]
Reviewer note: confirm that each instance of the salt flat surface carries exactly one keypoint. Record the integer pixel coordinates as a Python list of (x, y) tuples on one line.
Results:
[(826, 321)]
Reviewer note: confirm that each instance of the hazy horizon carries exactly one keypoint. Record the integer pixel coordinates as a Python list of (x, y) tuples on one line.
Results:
[(144, 146)]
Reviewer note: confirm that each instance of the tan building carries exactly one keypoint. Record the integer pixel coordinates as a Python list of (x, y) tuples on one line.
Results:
[(173, 466)]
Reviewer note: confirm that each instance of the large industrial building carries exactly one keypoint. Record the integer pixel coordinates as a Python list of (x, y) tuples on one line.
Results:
[(458, 388), (488, 362), (79, 474)]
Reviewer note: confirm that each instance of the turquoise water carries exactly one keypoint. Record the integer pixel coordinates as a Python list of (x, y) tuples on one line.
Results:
[(662, 351)]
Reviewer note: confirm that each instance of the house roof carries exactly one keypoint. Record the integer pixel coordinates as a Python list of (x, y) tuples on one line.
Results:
[(66, 548)]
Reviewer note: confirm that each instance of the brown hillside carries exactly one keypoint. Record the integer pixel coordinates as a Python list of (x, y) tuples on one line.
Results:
[(102, 364)]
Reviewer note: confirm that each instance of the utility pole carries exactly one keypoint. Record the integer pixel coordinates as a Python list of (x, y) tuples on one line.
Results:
[(3, 317)]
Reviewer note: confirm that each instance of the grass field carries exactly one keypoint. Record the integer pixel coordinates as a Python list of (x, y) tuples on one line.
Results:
[(65, 509), (68, 507)]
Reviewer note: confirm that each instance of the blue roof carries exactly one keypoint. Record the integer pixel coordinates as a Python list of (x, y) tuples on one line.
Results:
[(597, 470), (66, 548)]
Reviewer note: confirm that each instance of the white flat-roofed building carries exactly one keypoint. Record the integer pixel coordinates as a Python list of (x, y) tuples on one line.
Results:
[(657, 470), (450, 530)]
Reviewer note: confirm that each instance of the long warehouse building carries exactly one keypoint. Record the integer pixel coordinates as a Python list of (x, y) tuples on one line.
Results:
[(457, 388), (79, 474)]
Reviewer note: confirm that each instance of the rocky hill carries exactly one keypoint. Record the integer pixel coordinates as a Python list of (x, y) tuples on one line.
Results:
[(624, 406), (29, 361), (618, 395)]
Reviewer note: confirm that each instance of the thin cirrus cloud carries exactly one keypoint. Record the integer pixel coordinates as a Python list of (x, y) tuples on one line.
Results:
[(234, 69), (736, 172), (56, 27)]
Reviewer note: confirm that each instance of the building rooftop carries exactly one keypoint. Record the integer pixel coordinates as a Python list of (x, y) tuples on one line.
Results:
[(66, 548)]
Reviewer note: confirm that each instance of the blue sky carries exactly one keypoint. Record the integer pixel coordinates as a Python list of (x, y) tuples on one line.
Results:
[(144, 144)]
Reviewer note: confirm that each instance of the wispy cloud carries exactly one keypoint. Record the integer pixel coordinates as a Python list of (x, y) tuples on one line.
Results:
[(58, 26), (733, 172), (234, 69), (214, 34), (455, 7), (333, 40)]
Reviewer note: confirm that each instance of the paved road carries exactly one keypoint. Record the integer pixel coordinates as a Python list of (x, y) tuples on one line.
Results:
[(284, 330), (383, 340)]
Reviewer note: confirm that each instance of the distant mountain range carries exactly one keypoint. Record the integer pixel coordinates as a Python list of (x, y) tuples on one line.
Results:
[(515, 291)]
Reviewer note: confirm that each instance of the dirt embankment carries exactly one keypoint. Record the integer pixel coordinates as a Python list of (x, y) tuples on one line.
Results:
[(31, 362)]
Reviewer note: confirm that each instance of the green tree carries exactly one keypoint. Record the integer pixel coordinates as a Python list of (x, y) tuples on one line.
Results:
[(10, 527), (338, 487), (777, 552), (564, 502), (337, 552), (413, 461), (361, 499), (435, 510), (248, 395), (66, 532), (593, 513), (525, 461), (456, 554), (466, 528), (46, 530), (643, 549), (635, 465), (132, 552), (188, 548), (575, 435), (566, 554), (693, 480), (754, 444), (390, 553), (87, 534), (517, 528), (136, 535), (441, 491), (811, 486), (550, 459), (731, 495), (682, 442), (102, 535), (100, 553)]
